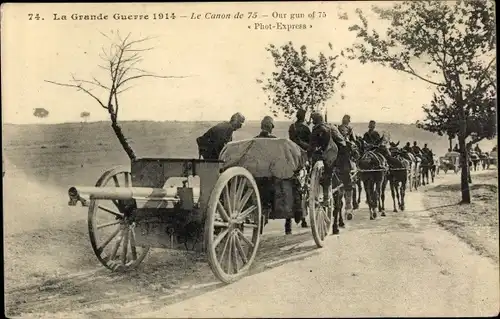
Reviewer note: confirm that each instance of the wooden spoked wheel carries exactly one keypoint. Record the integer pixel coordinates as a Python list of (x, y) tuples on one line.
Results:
[(112, 228), (232, 226), (320, 216)]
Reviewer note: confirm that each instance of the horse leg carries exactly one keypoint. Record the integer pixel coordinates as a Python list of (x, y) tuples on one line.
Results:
[(368, 189), (360, 189), (355, 195), (337, 200), (288, 226), (340, 194), (381, 185), (403, 193), (348, 201), (391, 185)]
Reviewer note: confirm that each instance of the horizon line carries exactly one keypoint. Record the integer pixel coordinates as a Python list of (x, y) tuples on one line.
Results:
[(180, 121)]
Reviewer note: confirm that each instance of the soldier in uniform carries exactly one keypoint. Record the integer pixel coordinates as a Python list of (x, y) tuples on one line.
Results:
[(211, 143), (372, 137), (416, 149), (299, 132), (322, 146), (345, 129), (266, 126)]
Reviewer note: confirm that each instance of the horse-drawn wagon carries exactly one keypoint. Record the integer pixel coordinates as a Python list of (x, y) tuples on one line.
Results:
[(450, 161), (211, 206)]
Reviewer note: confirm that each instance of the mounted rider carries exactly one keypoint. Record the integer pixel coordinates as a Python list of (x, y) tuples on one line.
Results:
[(477, 149), (299, 132), (371, 137), (344, 160), (211, 143), (324, 145)]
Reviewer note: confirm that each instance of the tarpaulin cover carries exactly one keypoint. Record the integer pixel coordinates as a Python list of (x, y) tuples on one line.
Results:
[(265, 157)]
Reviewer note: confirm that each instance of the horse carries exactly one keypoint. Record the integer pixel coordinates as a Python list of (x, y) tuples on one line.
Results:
[(356, 183), (485, 160), (412, 170), (373, 170), (344, 164), (474, 159), (399, 169)]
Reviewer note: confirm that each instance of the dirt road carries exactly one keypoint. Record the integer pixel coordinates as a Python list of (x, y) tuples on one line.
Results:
[(399, 265)]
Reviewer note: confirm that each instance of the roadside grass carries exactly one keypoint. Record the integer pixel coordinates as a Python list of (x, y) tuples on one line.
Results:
[(476, 223)]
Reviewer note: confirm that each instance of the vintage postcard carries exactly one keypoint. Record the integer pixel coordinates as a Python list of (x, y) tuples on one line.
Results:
[(250, 159)]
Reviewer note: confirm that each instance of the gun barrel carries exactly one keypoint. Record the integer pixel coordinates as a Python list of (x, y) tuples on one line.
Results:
[(84, 193)]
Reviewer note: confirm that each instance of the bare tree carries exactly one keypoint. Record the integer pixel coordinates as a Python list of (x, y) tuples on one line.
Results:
[(121, 62)]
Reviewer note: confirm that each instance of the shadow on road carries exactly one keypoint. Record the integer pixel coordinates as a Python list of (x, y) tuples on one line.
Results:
[(165, 277)]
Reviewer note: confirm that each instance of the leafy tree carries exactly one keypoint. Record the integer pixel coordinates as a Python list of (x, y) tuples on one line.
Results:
[(40, 112), (455, 41), (299, 81), (443, 118), (121, 62), (85, 115)]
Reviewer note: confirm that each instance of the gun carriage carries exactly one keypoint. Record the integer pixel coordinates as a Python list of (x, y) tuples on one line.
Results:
[(213, 206)]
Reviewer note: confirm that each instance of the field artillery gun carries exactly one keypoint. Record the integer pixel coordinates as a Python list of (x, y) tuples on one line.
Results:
[(210, 206)]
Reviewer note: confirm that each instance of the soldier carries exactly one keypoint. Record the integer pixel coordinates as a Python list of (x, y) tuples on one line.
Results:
[(322, 142), (371, 137), (211, 143), (477, 149), (427, 151), (345, 129), (299, 132), (407, 148), (416, 149), (266, 126)]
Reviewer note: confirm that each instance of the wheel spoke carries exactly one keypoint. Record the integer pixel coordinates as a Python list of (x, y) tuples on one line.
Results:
[(108, 224), (219, 237), (226, 243), (234, 187), (107, 241), (222, 211), (107, 210), (125, 246), (246, 240), (234, 255), (115, 179), (127, 179), (240, 249), (227, 202), (239, 193), (133, 247), (241, 217), (115, 248), (229, 255), (245, 198)]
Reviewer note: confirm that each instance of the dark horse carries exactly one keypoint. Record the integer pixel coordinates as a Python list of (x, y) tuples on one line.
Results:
[(373, 168), (345, 164), (400, 166)]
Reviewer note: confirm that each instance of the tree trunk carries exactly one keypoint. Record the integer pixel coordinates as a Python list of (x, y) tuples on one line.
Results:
[(123, 141), (451, 143), (464, 158)]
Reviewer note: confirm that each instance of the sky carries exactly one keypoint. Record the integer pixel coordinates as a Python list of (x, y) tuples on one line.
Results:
[(223, 59)]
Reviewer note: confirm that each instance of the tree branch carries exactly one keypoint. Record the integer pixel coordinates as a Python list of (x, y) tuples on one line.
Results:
[(412, 72), (79, 87)]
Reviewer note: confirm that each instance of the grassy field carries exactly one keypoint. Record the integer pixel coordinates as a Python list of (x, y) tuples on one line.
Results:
[(477, 223)]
